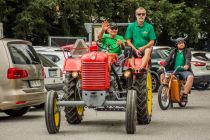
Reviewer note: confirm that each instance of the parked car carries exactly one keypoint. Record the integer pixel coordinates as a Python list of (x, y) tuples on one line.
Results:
[(53, 74), (159, 53), (22, 77), (200, 64), (55, 54)]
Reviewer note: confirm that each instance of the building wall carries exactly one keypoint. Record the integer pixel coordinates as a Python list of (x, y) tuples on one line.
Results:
[(1, 30)]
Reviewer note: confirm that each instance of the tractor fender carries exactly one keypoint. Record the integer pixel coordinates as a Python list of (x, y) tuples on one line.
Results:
[(72, 64)]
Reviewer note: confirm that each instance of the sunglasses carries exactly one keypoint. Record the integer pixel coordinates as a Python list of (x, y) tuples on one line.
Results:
[(141, 14), (113, 28)]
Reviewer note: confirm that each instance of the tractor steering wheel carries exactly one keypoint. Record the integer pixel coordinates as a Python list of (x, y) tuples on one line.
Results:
[(107, 46)]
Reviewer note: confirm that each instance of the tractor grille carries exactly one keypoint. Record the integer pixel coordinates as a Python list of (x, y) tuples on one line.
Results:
[(94, 76)]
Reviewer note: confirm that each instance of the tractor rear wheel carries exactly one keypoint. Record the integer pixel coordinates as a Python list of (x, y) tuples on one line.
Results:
[(74, 115), (52, 113), (143, 87), (130, 114)]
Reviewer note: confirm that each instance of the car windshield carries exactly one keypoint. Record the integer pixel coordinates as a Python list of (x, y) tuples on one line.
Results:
[(201, 56), (53, 58), (23, 54), (46, 62), (160, 53), (165, 53)]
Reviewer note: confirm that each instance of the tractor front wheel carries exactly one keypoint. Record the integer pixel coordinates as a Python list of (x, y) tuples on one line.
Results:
[(130, 114), (52, 113)]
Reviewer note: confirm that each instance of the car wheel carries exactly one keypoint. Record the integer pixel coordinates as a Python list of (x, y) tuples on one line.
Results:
[(202, 86), (41, 106), (17, 112)]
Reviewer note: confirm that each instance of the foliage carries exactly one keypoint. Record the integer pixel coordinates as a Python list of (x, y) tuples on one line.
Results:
[(37, 19)]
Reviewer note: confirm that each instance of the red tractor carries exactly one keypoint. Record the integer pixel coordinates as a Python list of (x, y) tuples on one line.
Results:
[(101, 79)]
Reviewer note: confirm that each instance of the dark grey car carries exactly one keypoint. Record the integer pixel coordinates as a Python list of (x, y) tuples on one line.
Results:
[(159, 53)]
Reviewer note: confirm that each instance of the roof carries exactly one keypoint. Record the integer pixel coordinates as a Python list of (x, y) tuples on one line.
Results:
[(47, 48), (6, 40), (157, 47)]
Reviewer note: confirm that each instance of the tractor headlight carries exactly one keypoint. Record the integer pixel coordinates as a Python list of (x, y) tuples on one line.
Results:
[(127, 73), (92, 57), (74, 74)]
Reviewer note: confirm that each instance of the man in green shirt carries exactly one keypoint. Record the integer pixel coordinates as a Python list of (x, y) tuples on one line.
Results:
[(140, 36), (112, 40), (180, 56)]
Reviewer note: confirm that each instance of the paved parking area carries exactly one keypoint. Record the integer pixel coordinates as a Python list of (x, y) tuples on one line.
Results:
[(192, 122)]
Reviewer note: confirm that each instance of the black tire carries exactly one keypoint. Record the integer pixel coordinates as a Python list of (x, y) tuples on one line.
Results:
[(155, 83), (52, 113), (201, 86), (41, 106), (71, 93), (140, 85), (163, 99), (130, 114), (182, 104), (17, 112)]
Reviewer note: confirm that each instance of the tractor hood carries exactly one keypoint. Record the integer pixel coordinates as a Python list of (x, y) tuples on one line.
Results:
[(95, 57)]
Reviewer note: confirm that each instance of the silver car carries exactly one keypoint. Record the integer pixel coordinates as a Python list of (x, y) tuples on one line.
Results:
[(22, 77), (200, 64)]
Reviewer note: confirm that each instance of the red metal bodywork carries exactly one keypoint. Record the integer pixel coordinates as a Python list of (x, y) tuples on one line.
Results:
[(95, 71), (72, 64), (137, 63), (94, 68)]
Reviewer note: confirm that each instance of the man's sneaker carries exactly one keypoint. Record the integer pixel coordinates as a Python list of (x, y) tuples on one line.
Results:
[(142, 70), (184, 97)]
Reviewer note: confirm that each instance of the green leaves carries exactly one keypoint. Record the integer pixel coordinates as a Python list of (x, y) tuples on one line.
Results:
[(40, 18)]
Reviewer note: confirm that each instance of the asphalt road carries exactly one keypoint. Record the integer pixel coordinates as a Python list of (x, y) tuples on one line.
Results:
[(190, 123)]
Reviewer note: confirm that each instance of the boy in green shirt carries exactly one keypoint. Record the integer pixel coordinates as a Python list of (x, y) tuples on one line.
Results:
[(112, 40)]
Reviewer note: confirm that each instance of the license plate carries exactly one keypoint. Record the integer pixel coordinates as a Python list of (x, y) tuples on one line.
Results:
[(208, 67), (35, 83), (52, 73)]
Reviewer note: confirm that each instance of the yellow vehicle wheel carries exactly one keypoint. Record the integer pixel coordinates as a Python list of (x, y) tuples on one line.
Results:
[(74, 115), (149, 94), (143, 86), (52, 113)]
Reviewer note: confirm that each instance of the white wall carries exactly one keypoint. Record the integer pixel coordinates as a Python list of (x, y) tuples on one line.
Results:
[(1, 30)]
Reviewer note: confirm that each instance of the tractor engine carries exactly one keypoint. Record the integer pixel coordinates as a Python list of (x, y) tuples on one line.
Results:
[(94, 78), (95, 72)]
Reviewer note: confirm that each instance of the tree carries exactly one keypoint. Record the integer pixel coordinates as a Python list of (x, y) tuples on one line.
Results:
[(38, 19)]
